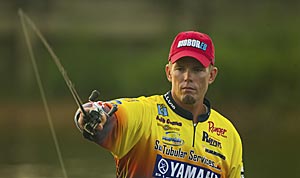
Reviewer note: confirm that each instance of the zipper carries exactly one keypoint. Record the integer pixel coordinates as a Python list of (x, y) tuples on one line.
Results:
[(195, 125)]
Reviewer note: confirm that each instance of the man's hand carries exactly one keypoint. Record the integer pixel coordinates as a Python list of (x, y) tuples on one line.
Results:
[(82, 122)]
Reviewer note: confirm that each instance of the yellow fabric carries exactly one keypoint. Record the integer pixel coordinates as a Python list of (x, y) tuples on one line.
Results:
[(148, 139)]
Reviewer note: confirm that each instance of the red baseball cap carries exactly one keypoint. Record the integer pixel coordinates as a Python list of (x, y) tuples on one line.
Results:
[(193, 44)]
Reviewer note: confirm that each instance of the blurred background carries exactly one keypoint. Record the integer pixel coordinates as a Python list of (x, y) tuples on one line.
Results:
[(121, 48)]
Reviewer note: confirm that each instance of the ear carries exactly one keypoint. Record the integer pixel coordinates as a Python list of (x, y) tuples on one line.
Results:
[(168, 72), (213, 74)]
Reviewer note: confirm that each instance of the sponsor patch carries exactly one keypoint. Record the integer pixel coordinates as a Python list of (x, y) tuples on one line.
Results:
[(169, 101), (119, 101), (116, 101), (202, 159), (192, 43), (162, 110), (169, 150), (168, 168), (180, 153), (211, 140), (214, 129), (215, 153), (172, 138), (168, 121), (168, 127)]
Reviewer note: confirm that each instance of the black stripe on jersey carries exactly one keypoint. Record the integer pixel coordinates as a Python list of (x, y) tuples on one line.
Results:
[(184, 113)]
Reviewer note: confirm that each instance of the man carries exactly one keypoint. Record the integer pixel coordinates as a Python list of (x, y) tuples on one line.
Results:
[(177, 134)]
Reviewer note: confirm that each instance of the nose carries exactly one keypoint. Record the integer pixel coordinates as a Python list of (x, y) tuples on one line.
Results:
[(187, 76)]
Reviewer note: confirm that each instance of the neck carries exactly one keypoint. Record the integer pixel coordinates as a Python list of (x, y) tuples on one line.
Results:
[(196, 109), (187, 111)]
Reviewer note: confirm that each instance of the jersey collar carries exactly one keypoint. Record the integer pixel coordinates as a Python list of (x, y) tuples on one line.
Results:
[(184, 113)]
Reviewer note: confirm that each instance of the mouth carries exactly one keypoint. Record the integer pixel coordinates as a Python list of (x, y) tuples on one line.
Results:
[(188, 89)]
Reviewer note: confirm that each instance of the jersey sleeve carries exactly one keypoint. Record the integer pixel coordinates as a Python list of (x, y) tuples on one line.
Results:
[(125, 128), (237, 168)]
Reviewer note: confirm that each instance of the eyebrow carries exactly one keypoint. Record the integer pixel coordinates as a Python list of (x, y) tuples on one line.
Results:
[(198, 65)]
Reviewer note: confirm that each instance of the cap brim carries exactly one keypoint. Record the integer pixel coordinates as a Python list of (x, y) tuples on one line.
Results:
[(200, 57)]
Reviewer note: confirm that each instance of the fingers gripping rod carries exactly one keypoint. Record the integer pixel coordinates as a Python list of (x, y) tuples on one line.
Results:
[(94, 117)]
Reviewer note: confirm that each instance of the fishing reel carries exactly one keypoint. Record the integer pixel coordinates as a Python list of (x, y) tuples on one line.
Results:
[(93, 118)]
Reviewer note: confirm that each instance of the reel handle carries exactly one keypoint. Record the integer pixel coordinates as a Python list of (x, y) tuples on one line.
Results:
[(94, 95)]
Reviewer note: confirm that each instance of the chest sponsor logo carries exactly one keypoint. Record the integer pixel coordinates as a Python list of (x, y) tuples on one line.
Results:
[(168, 127), (179, 153), (172, 138), (215, 153), (168, 121), (169, 150), (168, 168), (211, 140), (202, 159), (214, 129), (162, 110)]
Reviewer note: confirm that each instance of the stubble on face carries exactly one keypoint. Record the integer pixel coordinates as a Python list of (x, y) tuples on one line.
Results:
[(188, 99)]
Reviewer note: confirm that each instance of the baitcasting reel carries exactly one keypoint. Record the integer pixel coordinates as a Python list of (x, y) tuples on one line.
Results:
[(93, 118)]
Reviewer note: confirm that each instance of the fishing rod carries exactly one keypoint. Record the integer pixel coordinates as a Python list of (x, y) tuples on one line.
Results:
[(95, 94), (91, 118)]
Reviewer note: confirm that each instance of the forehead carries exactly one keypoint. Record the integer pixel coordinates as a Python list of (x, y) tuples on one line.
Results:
[(188, 61)]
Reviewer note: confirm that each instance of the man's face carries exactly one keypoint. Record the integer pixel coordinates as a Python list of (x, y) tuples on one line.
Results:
[(190, 80)]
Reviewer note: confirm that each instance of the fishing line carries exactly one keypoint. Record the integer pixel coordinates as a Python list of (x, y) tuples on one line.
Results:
[(24, 17)]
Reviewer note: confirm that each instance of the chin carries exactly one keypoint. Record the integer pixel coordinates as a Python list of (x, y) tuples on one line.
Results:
[(188, 99)]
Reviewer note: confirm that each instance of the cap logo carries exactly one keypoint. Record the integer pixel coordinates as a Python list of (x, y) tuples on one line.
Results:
[(192, 43)]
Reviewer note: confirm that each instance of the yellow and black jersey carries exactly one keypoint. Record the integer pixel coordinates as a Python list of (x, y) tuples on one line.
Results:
[(154, 137)]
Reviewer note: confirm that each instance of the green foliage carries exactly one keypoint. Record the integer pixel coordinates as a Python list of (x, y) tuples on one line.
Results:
[(121, 48)]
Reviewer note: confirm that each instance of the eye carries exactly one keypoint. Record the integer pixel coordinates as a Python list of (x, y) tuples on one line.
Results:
[(179, 68), (199, 69)]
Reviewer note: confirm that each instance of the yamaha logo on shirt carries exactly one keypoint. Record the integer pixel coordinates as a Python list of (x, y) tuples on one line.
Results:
[(168, 168)]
